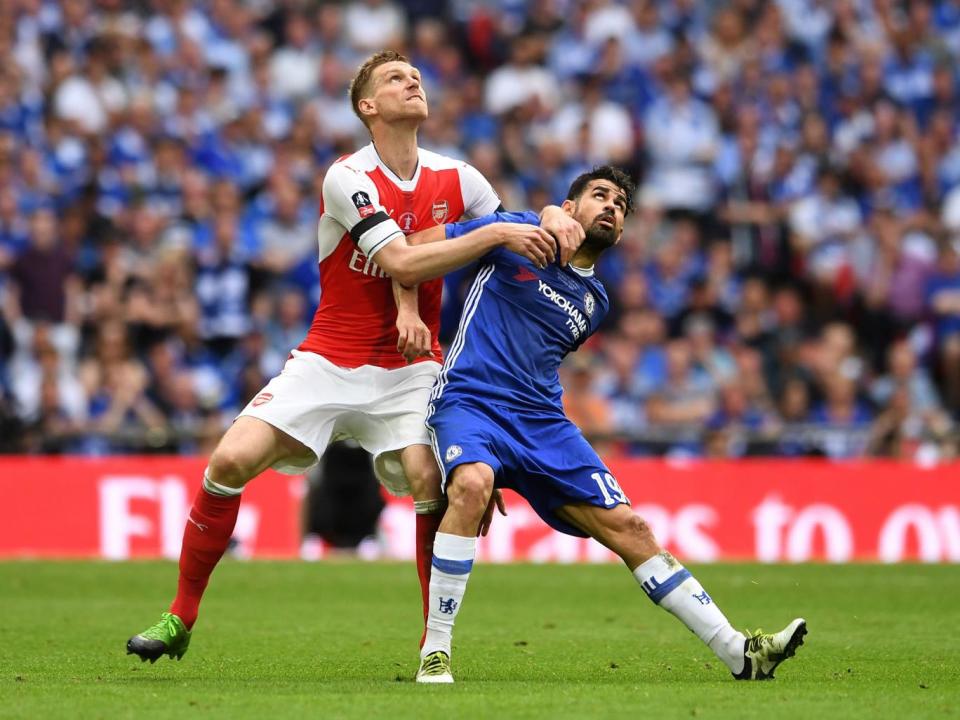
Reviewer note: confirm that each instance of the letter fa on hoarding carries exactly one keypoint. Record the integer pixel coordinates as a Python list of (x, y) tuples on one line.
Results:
[(159, 522), (153, 511)]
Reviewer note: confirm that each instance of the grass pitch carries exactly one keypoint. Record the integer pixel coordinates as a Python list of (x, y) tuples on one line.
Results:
[(339, 640)]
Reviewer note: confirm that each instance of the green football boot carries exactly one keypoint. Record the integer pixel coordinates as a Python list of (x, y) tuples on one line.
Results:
[(435, 668), (763, 652), (168, 637)]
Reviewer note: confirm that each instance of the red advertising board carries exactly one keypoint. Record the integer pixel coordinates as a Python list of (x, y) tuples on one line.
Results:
[(130, 507), (769, 510)]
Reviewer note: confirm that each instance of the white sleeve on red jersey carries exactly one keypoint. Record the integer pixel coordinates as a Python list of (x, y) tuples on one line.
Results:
[(479, 198), (351, 198)]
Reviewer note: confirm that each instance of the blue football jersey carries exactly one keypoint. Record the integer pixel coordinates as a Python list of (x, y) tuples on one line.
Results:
[(517, 325)]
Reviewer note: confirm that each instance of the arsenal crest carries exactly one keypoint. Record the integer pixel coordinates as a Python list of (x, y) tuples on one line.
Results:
[(440, 210)]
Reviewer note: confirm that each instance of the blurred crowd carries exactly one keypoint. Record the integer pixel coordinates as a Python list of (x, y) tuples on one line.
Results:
[(789, 284)]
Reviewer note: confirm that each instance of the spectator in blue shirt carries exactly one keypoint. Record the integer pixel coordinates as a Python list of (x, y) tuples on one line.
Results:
[(223, 288)]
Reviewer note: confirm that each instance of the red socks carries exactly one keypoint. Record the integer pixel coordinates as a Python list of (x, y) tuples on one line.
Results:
[(427, 525), (205, 538), (207, 535)]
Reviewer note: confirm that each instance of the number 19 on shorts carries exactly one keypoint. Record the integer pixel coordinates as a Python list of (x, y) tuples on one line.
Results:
[(612, 494)]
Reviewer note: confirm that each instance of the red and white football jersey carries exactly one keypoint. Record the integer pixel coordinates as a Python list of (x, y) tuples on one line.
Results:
[(365, 206)]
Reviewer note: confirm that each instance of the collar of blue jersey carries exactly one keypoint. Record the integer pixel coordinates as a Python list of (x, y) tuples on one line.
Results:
[(582, 272), (401, 183)]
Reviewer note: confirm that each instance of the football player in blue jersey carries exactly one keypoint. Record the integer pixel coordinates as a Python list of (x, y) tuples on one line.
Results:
[(497, 422)]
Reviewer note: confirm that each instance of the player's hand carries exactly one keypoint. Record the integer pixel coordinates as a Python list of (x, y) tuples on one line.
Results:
[(414, 339), (568, 232), (496, 500), (533, 242)]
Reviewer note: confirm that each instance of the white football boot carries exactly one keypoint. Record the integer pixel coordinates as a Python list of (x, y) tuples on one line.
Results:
[(763, 652), (435, 668)]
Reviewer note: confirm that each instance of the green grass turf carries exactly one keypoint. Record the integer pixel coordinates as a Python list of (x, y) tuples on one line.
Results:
[(339, 639)]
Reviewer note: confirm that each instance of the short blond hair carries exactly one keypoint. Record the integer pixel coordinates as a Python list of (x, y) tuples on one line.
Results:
[(360, 85)]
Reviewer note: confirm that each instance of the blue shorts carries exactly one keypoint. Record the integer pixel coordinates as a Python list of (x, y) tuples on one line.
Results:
[(544, 458)]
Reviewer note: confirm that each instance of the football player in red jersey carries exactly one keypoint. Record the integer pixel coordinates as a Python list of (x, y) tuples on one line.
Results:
[(352, 376)]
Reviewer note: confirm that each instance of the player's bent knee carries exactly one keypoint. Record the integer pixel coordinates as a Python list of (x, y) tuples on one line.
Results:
[(230, 466), (469, 488)]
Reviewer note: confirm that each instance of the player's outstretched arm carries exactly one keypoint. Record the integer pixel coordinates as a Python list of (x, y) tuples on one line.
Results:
[(455, 230), (458, 229), (412, 264), (351, 199), (569, 233), (434, 234)]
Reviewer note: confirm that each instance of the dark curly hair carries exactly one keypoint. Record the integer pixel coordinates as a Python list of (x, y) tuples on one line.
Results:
[(604, 172)]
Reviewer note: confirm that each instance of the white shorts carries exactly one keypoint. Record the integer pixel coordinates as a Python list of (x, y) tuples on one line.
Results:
[(316, 402)]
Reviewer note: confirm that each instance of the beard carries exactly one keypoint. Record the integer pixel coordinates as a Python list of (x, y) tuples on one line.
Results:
[(600, 236)]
